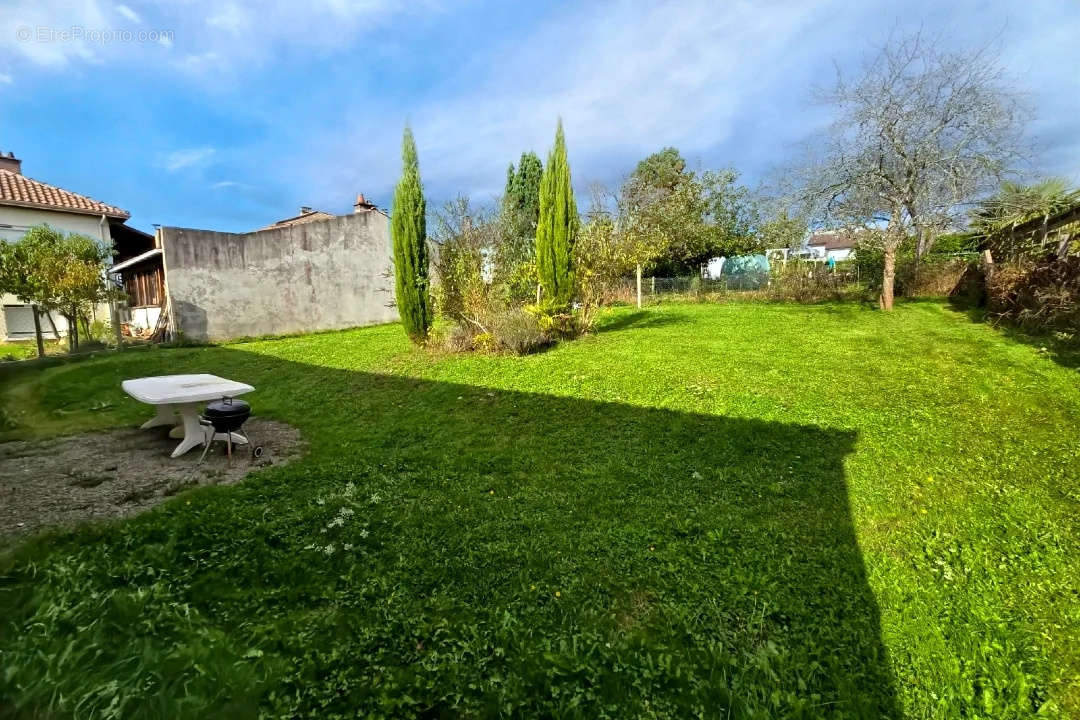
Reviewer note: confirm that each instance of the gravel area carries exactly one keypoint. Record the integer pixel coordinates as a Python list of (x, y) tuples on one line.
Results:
[(67, 480)]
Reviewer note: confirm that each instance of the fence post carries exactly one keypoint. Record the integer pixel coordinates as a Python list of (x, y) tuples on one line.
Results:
[(639, 286)]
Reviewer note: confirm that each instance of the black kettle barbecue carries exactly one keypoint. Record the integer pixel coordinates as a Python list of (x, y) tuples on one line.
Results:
[(227, 416)]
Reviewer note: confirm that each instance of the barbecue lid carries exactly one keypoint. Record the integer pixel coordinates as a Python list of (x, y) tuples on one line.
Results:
[(226, 408)]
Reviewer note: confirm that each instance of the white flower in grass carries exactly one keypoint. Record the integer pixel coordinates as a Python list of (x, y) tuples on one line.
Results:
[(348, 546), (364, 533), (376, 498), (329, 549)]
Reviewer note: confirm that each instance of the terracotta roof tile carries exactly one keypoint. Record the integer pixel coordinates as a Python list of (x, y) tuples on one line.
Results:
[(21, 191), (311, 216)]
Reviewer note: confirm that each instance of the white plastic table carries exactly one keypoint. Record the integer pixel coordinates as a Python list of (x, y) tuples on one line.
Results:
[(183, 394)]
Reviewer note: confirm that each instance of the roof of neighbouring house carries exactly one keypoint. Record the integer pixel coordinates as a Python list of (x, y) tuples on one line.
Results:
[(20, 191), (833, 240), (306, 215)]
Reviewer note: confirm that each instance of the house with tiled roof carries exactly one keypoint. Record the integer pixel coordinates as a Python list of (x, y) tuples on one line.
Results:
[(834, 244), (26, 202)]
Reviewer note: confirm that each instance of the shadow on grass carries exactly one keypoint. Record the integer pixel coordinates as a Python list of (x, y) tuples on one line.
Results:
[(498, 553), (639, 319)]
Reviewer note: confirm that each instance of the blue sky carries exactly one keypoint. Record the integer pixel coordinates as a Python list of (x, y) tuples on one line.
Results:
[(229, 115)]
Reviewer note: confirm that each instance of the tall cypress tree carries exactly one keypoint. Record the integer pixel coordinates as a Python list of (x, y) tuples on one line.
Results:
[(408, 226), (556, 227)]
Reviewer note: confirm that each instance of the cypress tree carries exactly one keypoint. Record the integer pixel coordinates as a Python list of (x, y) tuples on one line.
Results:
[(524, 194), (408, 226), (556, 227)]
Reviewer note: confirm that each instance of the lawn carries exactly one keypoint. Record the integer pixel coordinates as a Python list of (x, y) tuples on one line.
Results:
[(700, 510), (24, 350)]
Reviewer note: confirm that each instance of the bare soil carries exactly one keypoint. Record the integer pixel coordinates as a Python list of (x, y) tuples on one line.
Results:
[(68, 480)]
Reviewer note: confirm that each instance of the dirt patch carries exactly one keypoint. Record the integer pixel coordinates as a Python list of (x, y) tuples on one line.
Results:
[(63, 481)]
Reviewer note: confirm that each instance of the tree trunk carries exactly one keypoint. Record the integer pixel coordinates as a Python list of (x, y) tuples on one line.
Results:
[(73, 333), (639, 286), (888, 275), (114, 317), (37, 332)]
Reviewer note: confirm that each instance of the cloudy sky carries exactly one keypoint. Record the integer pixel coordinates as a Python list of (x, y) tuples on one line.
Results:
[(228, 115)]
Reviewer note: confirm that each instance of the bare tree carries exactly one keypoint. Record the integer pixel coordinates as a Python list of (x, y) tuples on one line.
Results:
[(917, 137)]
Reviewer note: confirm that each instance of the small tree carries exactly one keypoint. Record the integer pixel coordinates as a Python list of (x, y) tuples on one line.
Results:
[(53, 271), (77, 280), (556, 227), (782, 231), (521, 199), (515, 251), (409, 229), (598, 261), (461, 247)]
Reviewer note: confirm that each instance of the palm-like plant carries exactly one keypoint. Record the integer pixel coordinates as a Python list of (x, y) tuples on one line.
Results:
[(1004, 220)]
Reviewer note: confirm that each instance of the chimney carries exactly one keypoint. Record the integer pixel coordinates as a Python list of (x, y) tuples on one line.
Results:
[(362, 205), (8, 161), (304, 209)]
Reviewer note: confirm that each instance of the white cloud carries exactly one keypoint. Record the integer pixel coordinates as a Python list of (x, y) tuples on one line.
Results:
[(181, 159), (228, 184), (230, 18), (202, 62), (6, 79), (626, 79), (128, 13), (205, 29), (33, 30)]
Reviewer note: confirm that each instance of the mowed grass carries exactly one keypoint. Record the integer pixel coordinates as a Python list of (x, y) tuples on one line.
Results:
[(700, 510)]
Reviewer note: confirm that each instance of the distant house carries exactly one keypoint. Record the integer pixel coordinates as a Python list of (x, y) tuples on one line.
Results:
[(835, 244), (24, 203), (306, 215), (311, 271)]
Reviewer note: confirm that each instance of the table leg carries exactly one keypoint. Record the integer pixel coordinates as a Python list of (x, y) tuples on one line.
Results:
[(194, 434), (164, 415)]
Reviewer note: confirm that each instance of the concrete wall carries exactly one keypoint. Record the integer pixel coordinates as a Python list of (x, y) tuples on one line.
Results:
[(312, 276), (14, 222)]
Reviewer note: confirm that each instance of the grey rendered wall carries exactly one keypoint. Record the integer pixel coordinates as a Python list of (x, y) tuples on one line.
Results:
[(313, 276)]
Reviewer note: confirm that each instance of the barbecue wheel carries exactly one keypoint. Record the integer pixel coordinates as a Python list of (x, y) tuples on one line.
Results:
[(257, 452)]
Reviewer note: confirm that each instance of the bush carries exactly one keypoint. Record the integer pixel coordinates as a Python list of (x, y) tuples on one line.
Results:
[(512, 330), (518, 331), (1042, 297), (801, 281), (938, 274)]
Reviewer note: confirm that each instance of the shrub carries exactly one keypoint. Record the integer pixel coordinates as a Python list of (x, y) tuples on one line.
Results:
[(1043, 297), (801, 281), (935, 275), (498, 329), (518, 331)]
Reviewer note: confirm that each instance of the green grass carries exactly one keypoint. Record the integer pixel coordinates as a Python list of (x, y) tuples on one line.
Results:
[(701, 510), (26, 350)]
